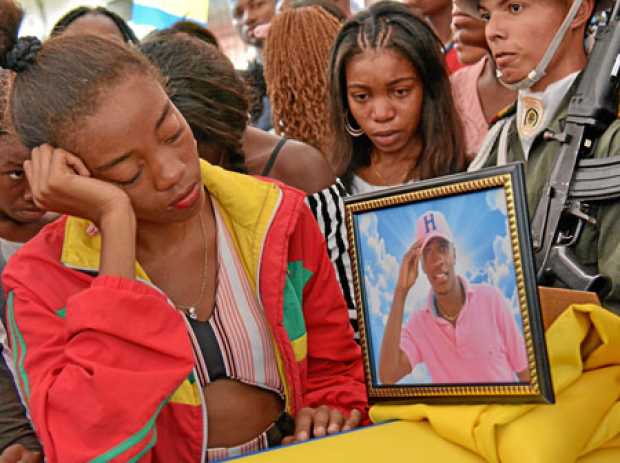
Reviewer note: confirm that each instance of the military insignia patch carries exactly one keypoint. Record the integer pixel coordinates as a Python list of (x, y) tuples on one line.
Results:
[(532, 116)]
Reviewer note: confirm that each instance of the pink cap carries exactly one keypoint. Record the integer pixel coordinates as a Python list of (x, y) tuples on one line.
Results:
[(432, 224)]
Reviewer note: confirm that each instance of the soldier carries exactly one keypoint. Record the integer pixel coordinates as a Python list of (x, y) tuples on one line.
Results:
[(539, 50)]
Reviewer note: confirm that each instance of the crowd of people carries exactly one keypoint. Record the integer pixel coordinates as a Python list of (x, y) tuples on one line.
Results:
[(176, 277)]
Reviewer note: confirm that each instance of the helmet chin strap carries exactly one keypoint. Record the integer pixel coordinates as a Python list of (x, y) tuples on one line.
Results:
[(539, 71)]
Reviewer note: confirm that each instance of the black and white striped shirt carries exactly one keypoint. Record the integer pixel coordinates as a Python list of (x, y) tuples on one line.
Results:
[(327, 206)]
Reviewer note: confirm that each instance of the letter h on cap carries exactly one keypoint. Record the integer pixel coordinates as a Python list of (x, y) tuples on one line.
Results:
[(429, 221)]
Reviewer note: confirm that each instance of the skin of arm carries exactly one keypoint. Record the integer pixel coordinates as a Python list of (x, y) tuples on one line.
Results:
[(298, 164), (118, 242), (393, 362), (17, 437), (17, 453), (303, 167)]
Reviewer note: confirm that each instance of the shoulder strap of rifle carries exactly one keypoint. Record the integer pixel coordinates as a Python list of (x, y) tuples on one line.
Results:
[(502, 150), (486, 149)]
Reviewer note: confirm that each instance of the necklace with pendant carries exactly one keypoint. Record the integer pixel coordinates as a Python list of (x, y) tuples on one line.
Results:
[(190, 310)]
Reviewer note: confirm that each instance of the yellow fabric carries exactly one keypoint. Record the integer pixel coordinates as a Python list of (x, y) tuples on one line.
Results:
[(300, 347), (399, 441), (584, 425), (249, 205), (187, 394), (82, 251)]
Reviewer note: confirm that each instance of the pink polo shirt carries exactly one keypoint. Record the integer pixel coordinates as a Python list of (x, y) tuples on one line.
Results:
[(483, 346)]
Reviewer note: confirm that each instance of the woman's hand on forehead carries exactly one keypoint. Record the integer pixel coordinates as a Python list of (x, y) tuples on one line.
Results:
[(60, 182)]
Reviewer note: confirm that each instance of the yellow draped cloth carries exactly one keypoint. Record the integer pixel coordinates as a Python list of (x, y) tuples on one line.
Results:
[(582, 426)]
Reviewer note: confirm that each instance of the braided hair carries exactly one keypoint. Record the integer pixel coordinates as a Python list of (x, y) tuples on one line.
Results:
[(296, 55), (390, 25), (69, 18), (328, 5)]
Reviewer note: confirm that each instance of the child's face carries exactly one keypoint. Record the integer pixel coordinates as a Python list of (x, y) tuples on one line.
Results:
[(15, 198), (385, 95)]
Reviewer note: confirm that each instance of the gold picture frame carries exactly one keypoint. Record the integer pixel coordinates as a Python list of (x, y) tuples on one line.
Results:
[(492, 349)]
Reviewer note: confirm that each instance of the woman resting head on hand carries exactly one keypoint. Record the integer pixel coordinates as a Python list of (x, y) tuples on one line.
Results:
[(390, 100), (205, 293)]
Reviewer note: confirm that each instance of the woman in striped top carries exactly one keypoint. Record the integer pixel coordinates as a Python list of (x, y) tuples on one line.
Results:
[(214, 103)]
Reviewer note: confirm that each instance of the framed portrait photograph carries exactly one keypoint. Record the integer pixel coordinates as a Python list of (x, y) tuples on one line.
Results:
[(446, 291)]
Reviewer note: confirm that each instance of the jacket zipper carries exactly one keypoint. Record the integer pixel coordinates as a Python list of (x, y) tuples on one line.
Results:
[(201, 378), (288, 384)]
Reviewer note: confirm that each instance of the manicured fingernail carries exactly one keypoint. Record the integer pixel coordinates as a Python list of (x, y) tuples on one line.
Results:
[(319, 431), (302, 435)]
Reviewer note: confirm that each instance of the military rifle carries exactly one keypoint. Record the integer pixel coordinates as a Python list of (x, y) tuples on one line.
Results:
[(577, 180)]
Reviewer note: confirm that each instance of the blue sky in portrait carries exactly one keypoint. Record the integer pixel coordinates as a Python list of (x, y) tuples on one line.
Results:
[(479, 227)]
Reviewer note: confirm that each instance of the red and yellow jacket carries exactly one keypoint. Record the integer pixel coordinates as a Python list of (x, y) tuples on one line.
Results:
[(106, 365)]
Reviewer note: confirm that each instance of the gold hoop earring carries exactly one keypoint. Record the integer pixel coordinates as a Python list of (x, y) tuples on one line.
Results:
[(350, 129)]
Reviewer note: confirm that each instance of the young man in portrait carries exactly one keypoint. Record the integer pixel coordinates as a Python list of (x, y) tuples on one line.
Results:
[(464, 333)]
